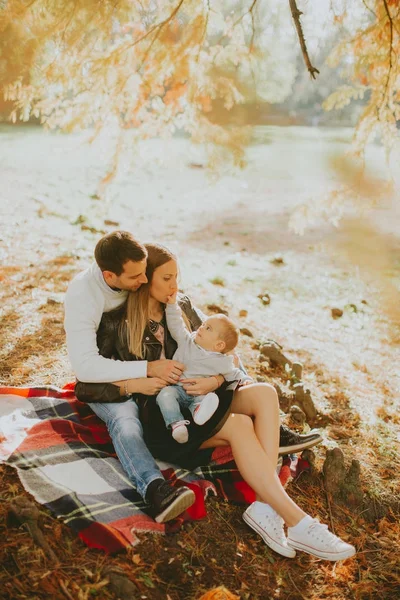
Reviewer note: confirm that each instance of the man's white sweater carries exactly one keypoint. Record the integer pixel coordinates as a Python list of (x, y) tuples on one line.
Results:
[(87, 298)]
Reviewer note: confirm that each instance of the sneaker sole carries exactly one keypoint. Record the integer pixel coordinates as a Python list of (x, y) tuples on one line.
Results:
[(177, 507), (320, 554), (299, 447), (199, 419), (271, 543)]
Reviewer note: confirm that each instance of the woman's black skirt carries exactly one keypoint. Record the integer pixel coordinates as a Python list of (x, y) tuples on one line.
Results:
[(160, 441)]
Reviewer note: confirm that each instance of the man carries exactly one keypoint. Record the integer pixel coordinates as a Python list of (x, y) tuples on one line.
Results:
[(120, 267)]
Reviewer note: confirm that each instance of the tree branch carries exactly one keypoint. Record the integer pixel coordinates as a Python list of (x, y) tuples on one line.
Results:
[(253, 27), (249, 11), (158, 26), (369, 8), (296, 13), (389, 16)]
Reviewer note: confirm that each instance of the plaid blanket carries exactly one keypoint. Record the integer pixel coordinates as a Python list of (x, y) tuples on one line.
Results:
[(65, 459)]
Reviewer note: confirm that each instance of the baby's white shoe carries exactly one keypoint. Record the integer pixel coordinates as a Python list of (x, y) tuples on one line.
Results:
[(205, 409), (180, 432)]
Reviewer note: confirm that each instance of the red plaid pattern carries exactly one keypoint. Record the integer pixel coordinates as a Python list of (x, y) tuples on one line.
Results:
[(65, 459)]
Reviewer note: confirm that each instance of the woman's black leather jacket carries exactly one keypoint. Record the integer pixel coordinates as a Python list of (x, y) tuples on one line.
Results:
[(112, 343)]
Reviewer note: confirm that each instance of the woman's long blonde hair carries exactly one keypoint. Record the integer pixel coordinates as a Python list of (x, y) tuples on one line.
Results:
[(137, 310)]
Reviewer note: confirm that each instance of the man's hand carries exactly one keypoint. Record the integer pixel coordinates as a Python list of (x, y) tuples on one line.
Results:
[(200, 386), (168, 370), (172, 299), (149, 386)]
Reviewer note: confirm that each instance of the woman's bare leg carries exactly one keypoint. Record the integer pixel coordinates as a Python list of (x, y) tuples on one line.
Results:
[(260, 401), (256, 468)]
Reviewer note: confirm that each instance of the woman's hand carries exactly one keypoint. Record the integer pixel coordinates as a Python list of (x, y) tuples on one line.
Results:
[(246, 382), (200, 385), (149, 386)]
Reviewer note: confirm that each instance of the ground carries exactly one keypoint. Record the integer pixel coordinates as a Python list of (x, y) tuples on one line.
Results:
[(227, 231)]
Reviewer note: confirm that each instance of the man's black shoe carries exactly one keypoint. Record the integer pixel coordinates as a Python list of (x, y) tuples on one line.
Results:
[(167, 502), (291, 442)]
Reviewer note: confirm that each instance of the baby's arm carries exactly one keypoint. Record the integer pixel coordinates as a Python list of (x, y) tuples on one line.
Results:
[(175, 322), (237, 375)]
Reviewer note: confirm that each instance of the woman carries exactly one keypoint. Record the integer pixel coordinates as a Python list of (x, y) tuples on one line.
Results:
[(247, 418)]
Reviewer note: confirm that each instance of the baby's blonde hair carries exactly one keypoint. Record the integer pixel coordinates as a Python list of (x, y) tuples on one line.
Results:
[(227, 333)]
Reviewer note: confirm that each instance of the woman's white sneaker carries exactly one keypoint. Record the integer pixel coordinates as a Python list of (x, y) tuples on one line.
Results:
[(269, 525), (313, 537), (205, 410)]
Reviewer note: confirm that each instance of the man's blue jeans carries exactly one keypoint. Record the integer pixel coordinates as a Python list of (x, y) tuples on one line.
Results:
[(170, 400), (126, 432)]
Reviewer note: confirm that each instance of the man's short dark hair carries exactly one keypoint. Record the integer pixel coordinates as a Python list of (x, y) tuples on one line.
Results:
[(115, 249)]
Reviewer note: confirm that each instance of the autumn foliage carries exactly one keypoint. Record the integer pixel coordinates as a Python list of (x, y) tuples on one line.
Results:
[(373, 70), (151, 68)]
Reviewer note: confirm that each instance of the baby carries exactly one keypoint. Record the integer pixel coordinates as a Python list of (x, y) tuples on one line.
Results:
[(204, 353)]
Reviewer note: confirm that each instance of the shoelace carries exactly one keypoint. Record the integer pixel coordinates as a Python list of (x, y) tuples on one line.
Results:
[(277, 523), (329, 538), (278, 528), (179, 423), (289, 436)]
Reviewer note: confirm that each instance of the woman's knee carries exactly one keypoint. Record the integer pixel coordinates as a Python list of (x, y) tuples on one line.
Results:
[(265, 391), (265, 388)]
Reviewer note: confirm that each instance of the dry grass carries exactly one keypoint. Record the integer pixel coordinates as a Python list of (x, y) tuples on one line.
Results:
[(33, 338), (350, 366)]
